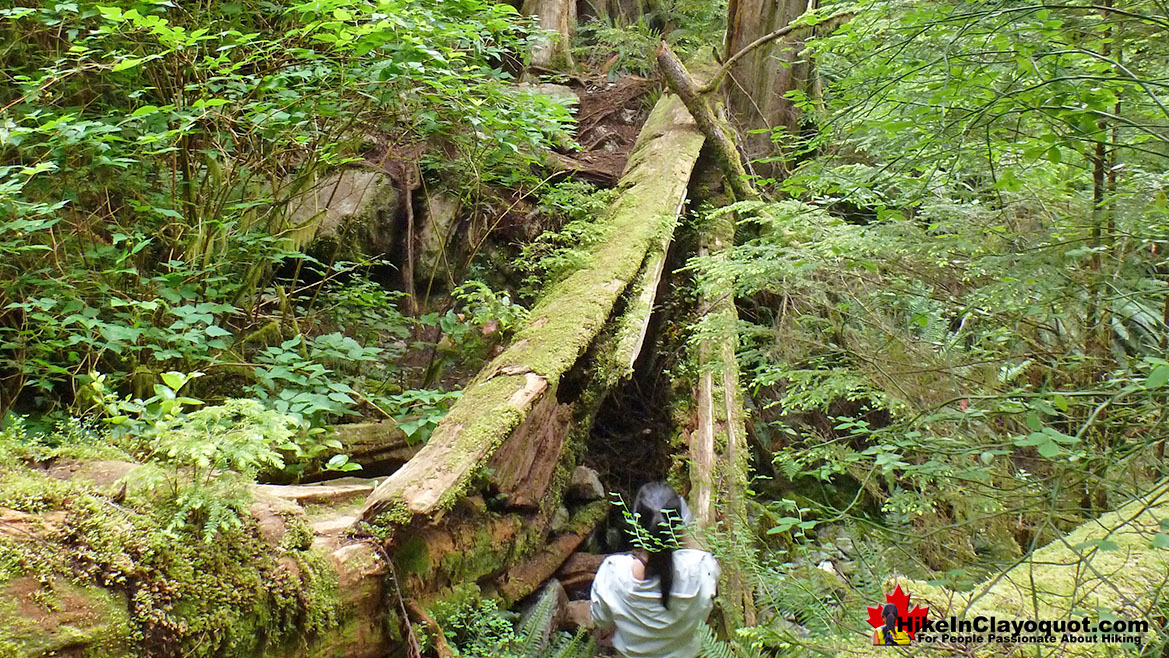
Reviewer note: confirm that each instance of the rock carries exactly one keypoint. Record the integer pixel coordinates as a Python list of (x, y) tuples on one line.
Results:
[(101, 473), (560, 519), (577, 616), (579, 569), (559, 94), (353, 209), (585, 485), (441, 245)]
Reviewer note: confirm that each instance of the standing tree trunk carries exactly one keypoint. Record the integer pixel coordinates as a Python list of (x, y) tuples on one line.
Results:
[(553, 52), (758, 82)]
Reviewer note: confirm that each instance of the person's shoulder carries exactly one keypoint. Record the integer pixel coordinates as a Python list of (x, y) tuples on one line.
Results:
[(696, 560), (695, 556), (613, 566)]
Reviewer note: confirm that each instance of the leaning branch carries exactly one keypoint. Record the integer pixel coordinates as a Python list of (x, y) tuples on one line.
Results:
[(725, 153), (761, 41)]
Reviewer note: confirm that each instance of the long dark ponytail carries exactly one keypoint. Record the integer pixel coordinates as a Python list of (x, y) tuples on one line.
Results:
[(658, 510)]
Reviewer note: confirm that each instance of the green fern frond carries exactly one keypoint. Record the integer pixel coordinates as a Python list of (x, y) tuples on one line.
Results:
[(576, 646), (533, 632), (712, 647)]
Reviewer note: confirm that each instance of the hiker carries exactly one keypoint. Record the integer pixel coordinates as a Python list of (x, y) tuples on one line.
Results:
[(653, 599)]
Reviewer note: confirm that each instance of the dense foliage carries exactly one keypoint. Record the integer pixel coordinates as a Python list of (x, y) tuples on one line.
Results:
[(953, 321), (152, 156)]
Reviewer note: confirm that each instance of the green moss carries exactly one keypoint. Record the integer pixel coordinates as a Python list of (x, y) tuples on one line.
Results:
[(411, 556), (148, 588), (42, 620)]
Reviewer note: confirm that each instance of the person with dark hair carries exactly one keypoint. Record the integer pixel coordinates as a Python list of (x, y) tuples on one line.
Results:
[(654, 598), (889, 634)]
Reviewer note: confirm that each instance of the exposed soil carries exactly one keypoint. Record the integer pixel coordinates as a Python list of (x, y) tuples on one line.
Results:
[(68, 608)]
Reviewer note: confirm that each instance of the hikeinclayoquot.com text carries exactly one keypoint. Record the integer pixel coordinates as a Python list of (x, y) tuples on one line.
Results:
[(984, 628)]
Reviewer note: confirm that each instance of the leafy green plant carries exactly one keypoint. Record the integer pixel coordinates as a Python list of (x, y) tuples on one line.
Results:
[(295, 377), (419, 411), (574, 209), (151, 155)]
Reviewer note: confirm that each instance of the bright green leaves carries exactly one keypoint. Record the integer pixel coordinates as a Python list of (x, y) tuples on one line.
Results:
[(1158, 377), (1047, 442)]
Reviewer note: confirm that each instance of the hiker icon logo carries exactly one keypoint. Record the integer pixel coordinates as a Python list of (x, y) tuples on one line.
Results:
[(894, 623)]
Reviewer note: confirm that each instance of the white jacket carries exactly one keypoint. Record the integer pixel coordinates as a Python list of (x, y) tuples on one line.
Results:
[(644, 628)]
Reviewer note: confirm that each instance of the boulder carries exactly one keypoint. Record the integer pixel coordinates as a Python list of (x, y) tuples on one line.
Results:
[(353, 211), (585, 485), (441, 245)]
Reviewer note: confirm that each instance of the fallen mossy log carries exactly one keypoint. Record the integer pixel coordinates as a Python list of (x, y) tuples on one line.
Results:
[(375, 445), (566, 321), (527, 576), (719, 464)]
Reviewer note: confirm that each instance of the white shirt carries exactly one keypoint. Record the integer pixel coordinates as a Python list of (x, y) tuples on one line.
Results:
[(646, 629)]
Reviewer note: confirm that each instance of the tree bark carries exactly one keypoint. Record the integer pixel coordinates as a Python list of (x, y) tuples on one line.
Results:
[(553, 52), (758, 82), (725, 152), (719, 465)]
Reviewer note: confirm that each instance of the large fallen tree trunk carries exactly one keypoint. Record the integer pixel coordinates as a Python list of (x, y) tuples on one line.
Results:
[(569, 317)]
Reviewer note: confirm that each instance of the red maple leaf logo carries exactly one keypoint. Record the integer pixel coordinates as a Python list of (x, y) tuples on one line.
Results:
[(909, 620)]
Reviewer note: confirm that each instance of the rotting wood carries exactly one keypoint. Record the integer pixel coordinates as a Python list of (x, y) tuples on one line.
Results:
[(98, 624), (719, 467), (375, 444), (527, 576), (522, 468), (441, 648), (315, 493), (566, 321)]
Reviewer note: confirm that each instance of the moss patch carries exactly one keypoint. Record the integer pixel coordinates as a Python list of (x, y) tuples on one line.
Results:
[(1105, 567), (113, 579)]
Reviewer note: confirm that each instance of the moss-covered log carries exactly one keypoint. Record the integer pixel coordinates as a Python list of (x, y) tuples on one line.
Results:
[(719, 465), (105, 579), (565, 322), (527, 576)]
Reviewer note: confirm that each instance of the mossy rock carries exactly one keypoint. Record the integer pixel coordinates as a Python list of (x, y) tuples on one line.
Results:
[(1106, 566), (37, 619)]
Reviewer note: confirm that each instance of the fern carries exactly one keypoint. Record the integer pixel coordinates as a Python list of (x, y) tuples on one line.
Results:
[(712, 647), (577, 646), (533, 632)]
